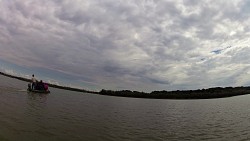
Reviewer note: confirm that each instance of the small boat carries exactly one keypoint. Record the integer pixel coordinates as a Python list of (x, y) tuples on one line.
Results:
[(38, 91)]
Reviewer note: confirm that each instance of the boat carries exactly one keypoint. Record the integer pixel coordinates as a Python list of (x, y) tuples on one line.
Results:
[(38, 91), (29, 89)]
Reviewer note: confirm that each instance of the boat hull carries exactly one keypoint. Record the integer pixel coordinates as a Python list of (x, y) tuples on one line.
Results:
[(38, 91)]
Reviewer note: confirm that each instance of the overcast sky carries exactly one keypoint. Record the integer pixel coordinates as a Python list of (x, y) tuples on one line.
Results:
[(143, 45)]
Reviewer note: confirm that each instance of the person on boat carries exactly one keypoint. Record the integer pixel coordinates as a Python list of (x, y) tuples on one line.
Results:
[(33, 82), (40, 85), (46, 86)]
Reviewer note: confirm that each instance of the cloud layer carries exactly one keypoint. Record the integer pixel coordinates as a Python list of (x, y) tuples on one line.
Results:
[(140, 45)]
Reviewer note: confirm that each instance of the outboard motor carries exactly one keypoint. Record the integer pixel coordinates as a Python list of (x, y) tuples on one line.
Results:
[(29, 86)]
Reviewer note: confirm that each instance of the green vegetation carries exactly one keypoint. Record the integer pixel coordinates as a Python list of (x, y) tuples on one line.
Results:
[(217, 92)]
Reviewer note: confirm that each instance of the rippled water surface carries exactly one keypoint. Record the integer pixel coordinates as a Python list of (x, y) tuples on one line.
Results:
[(65, 115)]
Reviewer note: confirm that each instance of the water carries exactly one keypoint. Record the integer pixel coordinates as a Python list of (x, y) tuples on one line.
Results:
[(65, 115)]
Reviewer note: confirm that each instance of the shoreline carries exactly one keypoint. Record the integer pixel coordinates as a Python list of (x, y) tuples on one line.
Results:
[(50, 85), (210, 93)]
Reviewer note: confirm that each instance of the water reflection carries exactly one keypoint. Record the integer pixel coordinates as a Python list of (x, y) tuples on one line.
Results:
[(65, 115), (36, 104), (41, 98)]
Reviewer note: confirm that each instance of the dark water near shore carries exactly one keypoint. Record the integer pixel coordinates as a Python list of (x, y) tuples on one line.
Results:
[(65, 115)]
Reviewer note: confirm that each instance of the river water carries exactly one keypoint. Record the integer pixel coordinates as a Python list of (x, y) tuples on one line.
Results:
[(64, 115)]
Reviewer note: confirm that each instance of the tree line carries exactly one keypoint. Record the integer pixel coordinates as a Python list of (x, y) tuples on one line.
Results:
[(216, 92)]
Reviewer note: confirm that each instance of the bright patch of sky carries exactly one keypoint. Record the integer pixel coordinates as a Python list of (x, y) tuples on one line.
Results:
[(143, 45)]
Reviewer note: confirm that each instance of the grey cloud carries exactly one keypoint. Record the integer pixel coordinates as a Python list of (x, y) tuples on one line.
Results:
[(120, 44)]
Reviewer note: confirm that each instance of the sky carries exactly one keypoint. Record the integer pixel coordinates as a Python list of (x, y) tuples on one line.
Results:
[(142, 45)]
